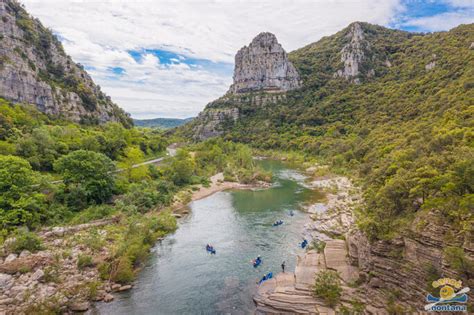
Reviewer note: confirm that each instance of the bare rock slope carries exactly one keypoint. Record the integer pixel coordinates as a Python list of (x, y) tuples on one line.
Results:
[(34, 69), (262, 75), (264, 65)]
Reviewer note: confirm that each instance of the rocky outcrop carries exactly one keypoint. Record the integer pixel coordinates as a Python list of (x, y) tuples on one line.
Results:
[(262, 76), (211, 121), (406, 265), (291, 293), (353, 55), (362, 56), (392, 274), (264, 66), (34, 69)]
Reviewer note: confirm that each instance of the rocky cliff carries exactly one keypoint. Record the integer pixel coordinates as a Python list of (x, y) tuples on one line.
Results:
[(35, 69), (353, 55), (264, 66), (262, 76)]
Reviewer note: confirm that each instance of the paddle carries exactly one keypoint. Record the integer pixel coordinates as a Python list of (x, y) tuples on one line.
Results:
[(429, 306)]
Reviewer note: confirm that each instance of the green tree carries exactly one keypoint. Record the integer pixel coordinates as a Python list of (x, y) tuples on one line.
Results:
[(132, 156), (88, 174), (20, 200), (181, 168)]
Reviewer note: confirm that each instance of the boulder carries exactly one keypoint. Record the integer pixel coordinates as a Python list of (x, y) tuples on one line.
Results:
[(375, 283), (38, 275), (115, 287), (10, 258), (125, 287), (7, 301), (79, 306), (108, 298), (24, 254), (5, 280)]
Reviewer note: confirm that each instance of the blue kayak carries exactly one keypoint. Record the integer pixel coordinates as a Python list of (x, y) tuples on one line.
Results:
[(257, 262), (266, 277), (210, 249)]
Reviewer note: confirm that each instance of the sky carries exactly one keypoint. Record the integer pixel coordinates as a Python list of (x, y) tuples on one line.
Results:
[(170, 58)]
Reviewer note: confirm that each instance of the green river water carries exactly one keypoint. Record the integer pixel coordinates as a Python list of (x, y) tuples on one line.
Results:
[(182, 278)]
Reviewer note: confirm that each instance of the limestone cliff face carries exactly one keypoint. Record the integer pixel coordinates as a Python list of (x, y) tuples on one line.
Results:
[(211, 122), (354, 55), (406, 265), (264, 65), (262, 76), (360, 59), (35, 69)]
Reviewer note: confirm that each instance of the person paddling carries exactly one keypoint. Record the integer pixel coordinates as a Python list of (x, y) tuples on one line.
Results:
[(257, 261), (283, 266)]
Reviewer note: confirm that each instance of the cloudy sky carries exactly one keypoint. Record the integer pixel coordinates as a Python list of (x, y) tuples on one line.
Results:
[(169, 58)]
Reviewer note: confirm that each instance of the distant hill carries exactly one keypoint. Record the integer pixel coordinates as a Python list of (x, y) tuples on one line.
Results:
[(165, 123)]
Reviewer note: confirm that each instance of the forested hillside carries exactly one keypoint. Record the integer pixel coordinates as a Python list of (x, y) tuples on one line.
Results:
[(403, 123), (95, 163), (163, 123)]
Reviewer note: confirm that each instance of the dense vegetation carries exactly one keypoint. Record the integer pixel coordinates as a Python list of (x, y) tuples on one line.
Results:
[(406, 131), (52, 171), (163, 123)]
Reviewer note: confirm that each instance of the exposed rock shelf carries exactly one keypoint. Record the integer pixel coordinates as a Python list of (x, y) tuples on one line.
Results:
[(292, 292)]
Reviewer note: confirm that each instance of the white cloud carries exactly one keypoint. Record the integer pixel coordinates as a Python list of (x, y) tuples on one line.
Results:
[(461, 3), (441, 22), (99, 34)]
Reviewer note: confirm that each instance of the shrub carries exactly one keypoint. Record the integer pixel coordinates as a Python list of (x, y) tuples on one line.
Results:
[(21, 203), (24, 240), (457, 259), (92, 213), (137, 252), (92, 289), (104, 270), (84, 261), (51, 274), (328, 287), (318, 245), (165, 222), (123, 272)]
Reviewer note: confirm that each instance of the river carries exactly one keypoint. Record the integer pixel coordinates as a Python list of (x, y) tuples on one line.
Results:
[(182, 278)]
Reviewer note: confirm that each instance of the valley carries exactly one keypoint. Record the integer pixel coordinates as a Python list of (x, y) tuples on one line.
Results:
[(361, 143)]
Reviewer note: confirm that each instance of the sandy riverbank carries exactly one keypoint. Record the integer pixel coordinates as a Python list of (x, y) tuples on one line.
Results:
[(217, 184)]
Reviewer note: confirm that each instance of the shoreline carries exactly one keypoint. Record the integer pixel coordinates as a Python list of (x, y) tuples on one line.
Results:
[(217, 184), (291, 292), (45, 278)]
